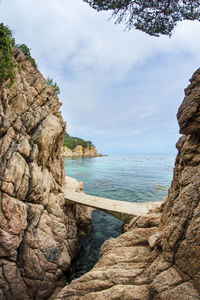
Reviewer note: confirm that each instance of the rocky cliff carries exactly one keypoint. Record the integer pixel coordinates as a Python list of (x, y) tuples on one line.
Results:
[(38, 231), (80, 151), (158, 257)]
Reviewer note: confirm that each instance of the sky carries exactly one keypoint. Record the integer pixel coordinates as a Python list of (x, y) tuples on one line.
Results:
[(120, 89)]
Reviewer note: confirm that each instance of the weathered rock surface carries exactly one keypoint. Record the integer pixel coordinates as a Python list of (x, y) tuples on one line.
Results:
[(79, 150), (38, 231), (159, 255)]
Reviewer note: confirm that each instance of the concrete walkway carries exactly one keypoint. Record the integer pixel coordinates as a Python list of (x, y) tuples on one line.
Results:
[(122, 210)]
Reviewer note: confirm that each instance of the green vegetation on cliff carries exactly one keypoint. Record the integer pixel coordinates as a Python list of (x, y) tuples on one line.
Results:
[(27, 52), (50, 82), (7, 65), (71, 142)]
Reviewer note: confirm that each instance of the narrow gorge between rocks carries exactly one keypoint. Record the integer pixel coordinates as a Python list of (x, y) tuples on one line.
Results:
[(157, 257), (103, 227), (107, 176)]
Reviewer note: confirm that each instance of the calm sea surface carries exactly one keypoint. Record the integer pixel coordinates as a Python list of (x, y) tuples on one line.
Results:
[(134, 178)]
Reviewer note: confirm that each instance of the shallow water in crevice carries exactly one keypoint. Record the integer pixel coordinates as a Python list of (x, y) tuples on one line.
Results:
[(103, 227)]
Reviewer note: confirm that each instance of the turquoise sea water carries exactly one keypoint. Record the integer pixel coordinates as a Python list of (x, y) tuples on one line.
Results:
[(134, 178)]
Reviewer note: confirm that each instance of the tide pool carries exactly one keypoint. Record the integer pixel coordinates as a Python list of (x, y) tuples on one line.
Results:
[(134, 178)]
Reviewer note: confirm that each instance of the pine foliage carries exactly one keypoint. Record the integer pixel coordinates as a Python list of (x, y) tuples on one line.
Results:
[(50, 82), (154, 17)]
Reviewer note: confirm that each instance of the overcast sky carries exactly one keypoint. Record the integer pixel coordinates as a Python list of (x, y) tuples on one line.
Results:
[(119, 89)]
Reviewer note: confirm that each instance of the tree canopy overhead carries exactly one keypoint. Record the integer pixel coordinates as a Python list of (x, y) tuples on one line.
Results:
[(151, 16)]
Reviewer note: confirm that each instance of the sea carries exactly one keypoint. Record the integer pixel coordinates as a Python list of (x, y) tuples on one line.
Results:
[(132, 178)]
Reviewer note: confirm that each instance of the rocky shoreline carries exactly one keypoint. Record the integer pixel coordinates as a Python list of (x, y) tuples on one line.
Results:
[(80, 151)]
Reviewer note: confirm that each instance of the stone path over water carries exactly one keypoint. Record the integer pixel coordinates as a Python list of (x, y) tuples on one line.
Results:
[(122, 210)]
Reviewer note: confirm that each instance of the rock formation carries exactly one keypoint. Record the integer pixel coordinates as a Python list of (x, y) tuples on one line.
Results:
[(80, 151), (38, 231), (158, 257)]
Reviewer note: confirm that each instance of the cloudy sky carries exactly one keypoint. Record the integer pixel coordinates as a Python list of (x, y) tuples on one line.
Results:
[(119, 89)]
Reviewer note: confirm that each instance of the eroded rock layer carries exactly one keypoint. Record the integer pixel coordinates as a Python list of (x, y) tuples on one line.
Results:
[(159, 255), (38, 231)]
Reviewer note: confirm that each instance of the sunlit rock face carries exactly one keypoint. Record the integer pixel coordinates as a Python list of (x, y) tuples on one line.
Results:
[(38, 231), (79, 150), (158, 257)]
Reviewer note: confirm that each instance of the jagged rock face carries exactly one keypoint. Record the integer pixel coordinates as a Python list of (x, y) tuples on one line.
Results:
[(159, 255), (38, 232), (181, 217)]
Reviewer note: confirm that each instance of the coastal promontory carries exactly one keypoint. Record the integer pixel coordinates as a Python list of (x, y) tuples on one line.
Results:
[(77, 147)]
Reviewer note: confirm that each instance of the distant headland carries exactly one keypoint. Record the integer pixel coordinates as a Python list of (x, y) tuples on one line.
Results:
[(77, 147)]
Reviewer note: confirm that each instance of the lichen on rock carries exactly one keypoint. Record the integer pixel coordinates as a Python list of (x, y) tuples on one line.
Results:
[(52, 253)]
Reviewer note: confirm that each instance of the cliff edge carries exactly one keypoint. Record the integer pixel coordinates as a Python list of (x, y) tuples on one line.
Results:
[(158, 257), (38, 231)]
